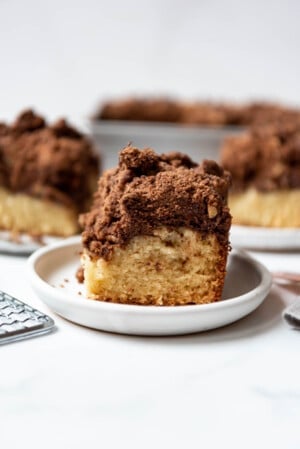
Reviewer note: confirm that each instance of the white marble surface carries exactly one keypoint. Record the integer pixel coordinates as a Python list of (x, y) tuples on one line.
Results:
[(236, 387), (79, 388)]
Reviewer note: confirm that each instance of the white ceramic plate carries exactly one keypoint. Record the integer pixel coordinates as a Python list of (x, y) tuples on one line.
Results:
[(199, 142), (265, 238), (24, 244), (52, 275)]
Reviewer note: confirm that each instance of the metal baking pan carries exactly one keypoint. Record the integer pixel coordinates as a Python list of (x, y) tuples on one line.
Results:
[(198, 142)]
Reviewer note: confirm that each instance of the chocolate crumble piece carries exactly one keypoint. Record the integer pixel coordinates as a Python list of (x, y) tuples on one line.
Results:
[(147, 191), (80, 275)]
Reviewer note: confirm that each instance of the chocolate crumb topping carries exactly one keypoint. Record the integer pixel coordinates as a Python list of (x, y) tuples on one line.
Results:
[(55, 162), (136, 109), (147, 191), (62, 129), (266, 158), (205, 113), (28, 121), (4, 129)]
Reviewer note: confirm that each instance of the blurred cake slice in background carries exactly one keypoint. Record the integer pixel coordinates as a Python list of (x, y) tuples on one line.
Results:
[(157, 233), (206, 113), (48, 174), (265, 167)]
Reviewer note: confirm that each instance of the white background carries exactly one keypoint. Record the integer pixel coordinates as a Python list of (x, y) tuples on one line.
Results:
[(64, 56)]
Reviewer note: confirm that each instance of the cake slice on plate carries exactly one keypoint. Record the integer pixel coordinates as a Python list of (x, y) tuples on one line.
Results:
[(47, 176), (157, 233), (265, 167)]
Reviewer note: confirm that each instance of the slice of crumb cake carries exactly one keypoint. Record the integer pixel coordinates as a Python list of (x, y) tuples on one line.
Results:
[(157, 233), (265, 168), (47, 176)]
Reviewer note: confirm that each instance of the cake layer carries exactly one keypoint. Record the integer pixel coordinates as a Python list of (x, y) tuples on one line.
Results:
[(20, 212), (279, 208), (170, 267)]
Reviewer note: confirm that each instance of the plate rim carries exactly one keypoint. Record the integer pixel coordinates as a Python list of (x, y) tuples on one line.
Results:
[(262, 288), (8, 246), (238, 231)]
